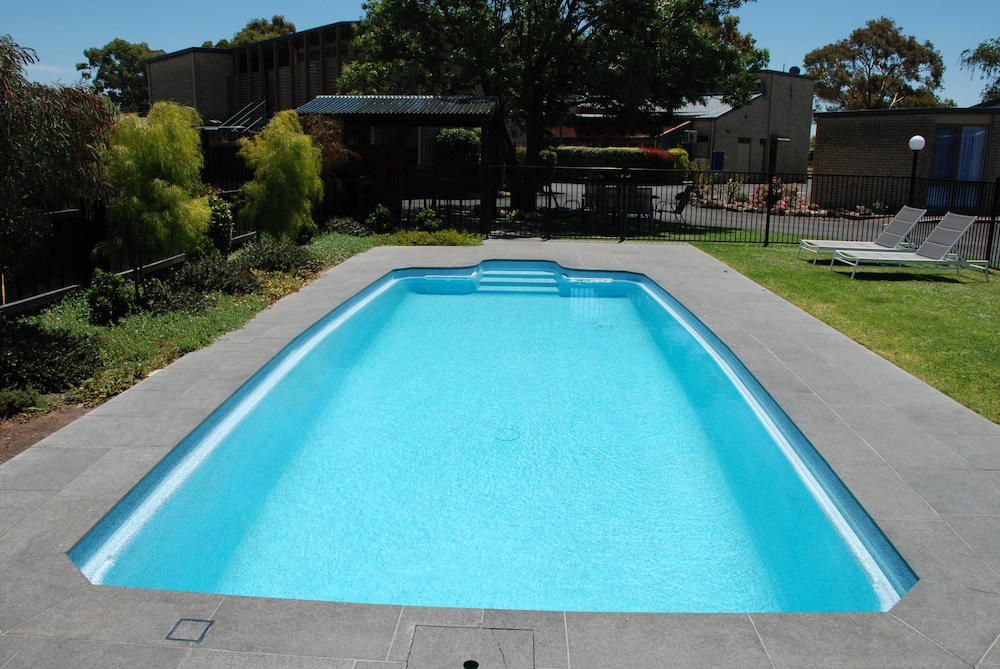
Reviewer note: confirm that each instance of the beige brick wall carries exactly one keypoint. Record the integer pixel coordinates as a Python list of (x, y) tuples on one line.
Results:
[(212, 71), (172, 79)]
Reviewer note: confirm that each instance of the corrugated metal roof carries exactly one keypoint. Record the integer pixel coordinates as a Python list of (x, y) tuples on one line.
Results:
[(401, 105), (713, 107)]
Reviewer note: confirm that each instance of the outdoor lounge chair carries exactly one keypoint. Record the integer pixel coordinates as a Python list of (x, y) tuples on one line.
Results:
[(892, 238), (936, 251)]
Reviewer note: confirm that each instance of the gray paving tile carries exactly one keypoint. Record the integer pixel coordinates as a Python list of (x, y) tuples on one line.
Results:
[(957, 491), (936, 552), (9, 646), (979, 450), (838, 641), (121, 615), (963, 621), (45, 468), (320, 629), (412, 616), (16, 505), (138, 402), (54, 527), (30, 586), (981, 533), (225, 659), (843, 394), (93, 431), (551, 646), (41, 653), (841, 446), (455, 647), (115, 473), (884, 494), (599, 640)]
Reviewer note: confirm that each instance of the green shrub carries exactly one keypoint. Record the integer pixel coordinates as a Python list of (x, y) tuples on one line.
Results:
[(437, 238), (214, 274), (286, 182), (14, 400), (220, 227), (32, 356), (347, 226), (380, 220), (270, 254), (110, 298), (458, 146), (159, 297), (428, 220)]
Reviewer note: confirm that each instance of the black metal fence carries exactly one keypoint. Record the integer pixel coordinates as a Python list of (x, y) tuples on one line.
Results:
[(729, 206), (594, 203)]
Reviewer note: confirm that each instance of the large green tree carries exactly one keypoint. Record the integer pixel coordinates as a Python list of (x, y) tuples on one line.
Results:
[(877, 67), (257, 30), (154, 167), (286, 167), (118, 70), (50, 137), (632, 58), (985, 58)]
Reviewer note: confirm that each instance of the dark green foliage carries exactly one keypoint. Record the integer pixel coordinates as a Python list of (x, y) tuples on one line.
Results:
[(14, 400), (986, 59), (214, 274), (110, 298), (220, 227), (49, 361), (380, 220), (877, 67), (158, 297), (271, 254), (458, 146), (428, 220), (50, 137), (436, 238), (347, 226), (118, 70)]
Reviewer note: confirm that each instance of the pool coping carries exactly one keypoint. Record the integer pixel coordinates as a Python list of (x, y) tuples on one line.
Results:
[(926, 469)]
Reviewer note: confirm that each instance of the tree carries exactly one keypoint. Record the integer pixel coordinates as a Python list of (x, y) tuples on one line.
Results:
[(633, 58), (985, 57), (50, 138), (877, 68), (286, 167), (154, 167), (257, 30), (118, 70)]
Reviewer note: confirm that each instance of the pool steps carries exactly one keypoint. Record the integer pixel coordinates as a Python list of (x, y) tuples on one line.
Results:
[(533, 281)]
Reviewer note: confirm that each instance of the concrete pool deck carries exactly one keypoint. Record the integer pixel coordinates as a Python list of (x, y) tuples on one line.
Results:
[(925, 468)]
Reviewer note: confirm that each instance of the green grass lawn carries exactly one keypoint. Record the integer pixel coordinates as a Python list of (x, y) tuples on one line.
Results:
[(942, 328)]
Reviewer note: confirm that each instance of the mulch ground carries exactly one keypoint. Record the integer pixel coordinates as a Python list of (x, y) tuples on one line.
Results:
[(21, 432)]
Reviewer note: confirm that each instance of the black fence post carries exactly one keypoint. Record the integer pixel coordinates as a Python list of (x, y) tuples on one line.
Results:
[(994, 215)]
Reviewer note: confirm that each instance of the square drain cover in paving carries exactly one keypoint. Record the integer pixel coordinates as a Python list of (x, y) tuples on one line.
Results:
[(471, 648)]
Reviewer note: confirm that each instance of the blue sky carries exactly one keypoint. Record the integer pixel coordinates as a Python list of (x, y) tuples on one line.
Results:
[(60, 30)]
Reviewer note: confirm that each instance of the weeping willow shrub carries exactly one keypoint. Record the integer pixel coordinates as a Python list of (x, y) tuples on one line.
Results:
[(154, 167), (286, 183)]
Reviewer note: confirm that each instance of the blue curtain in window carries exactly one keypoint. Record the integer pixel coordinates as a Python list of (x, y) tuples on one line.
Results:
[(970, 156)]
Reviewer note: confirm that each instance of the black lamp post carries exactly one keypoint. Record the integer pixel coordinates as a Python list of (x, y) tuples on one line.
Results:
[(917, 143), (772, 197)]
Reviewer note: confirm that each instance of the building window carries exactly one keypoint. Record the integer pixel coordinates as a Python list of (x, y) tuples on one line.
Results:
[(959, 152)]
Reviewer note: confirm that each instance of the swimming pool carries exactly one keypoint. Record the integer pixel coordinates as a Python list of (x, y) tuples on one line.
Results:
[(548, 478)]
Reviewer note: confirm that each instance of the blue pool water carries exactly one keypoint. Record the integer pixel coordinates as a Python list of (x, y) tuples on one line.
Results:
[(514, 436)]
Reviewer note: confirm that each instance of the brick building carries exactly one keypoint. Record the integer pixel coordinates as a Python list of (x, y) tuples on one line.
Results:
[(244, 85), (962, 144)]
